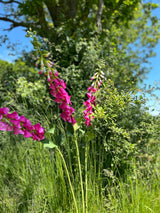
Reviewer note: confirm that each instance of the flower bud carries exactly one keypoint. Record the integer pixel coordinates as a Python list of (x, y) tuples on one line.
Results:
[(40, 72)]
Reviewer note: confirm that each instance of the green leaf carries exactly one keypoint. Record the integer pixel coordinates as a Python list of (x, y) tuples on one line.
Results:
[(52, 130), (70, 129), (50, 145), (76, 126), (90, 135), (60, 139), (45, 141)]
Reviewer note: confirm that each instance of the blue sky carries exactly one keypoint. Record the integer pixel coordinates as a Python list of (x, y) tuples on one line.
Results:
[(17, 35), (153, 77)]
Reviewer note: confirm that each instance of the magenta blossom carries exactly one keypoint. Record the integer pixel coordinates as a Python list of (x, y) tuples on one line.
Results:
[(88, 112), (57, 89), (20, 125), (4, 111), (4, 126)]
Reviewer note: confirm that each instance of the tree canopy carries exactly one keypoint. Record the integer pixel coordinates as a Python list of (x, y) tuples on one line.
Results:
[(115, 33), (45, 16)]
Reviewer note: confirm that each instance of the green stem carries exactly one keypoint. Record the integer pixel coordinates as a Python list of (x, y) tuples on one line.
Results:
[(80, 173), (69, 180), (86, 178)]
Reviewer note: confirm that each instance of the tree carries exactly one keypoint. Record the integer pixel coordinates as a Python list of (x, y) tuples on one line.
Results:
[(45, 16), (69, 26)]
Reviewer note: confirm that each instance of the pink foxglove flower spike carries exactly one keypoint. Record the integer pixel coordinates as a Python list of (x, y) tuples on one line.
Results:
[(88, 112), (57, 87), (20, 125)]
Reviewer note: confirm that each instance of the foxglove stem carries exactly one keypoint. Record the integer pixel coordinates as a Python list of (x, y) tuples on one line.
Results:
[(80, 173), (69, 180)]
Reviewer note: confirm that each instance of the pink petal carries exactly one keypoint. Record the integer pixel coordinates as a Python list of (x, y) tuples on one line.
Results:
[(87, 103), (27, 134), (4, 111), (90, 88), (88, 122), (38, 128), (58, 100), (63, 116), (18, 131), (94, 90), (22, 119), (89, 94), (13, 115), (16, 123), (93, 98), (5, 126), (73, 120)]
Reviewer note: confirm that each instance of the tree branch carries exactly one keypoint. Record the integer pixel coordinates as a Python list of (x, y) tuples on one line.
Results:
[(99, 14), (42, 19), (52, 8), (86, 10), (71, 10), (14, 23), (11, 1)]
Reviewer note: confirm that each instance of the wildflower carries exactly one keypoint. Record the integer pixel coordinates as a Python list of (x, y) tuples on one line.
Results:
[(4, 111), (88, 112), (20, 125), (5, 126), (57, 89)]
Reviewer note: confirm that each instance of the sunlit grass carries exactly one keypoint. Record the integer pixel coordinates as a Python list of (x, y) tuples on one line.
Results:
[(33, 178), (136, 194)]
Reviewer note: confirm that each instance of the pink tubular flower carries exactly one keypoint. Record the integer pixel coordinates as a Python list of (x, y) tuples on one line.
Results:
[(92, 77), (20, 125), (38, 133), (40, 72), (13, 115), (91, 101), (27, 134), (4, 126), (18, 131), (16, 123), (57, 89), (4, 111)]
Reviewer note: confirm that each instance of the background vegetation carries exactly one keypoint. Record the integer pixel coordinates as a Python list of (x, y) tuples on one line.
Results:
[(122, 145)]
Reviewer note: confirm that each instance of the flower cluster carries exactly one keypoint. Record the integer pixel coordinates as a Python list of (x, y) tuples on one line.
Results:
[(58, 87), (20, 125), (90, 103)]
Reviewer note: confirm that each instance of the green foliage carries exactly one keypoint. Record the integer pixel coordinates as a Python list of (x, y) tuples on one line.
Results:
[(83, 38), (74, 17), (34, 91), (21, 86), (121, 126), (37, 181), (11, 72), (139, 191)]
